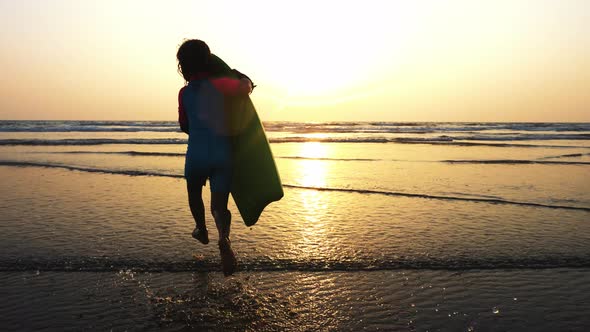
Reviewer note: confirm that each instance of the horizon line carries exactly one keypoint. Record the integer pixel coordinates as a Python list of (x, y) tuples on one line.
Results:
[(292, 121)]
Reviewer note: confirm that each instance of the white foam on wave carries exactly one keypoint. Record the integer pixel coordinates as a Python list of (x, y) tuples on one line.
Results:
[(301, 127)]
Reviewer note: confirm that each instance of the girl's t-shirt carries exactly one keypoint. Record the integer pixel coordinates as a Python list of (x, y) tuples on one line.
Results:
[(228, 87)]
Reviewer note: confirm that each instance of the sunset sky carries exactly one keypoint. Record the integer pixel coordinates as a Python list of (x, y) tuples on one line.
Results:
[(316, 60)]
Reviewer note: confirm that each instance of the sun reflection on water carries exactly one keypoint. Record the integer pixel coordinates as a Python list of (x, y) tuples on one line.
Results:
[(313, 172), (314, 228)]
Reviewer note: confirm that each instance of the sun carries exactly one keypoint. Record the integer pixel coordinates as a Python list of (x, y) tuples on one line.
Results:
[(309, 53)]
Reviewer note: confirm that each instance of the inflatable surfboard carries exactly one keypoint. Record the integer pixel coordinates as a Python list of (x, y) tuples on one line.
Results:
[(256, 181)]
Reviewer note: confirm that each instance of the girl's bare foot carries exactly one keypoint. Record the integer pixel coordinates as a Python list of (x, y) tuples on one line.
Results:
[(201, 235), (229, 262)]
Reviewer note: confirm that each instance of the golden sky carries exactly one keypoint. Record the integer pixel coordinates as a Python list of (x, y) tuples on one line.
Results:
[(463, 60)]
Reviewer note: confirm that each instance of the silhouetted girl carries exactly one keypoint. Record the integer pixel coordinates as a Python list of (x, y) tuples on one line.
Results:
[(208, 156)]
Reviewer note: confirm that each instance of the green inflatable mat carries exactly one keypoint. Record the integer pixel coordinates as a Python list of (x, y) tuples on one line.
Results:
[(256, 181)]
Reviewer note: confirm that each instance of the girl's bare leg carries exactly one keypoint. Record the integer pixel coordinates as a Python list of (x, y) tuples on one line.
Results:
[(222, 218), (195, 202), (220, 213)]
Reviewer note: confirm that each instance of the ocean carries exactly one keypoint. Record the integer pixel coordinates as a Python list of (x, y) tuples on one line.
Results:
[(390, 226)]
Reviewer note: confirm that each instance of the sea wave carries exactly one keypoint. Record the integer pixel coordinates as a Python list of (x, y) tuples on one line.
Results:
[(439, 197), (279, 140), (491, 161), (87, 169), (423, 127), (326, 189), (516, 162), (569, 155), (90, 141), (116, 264), (175, 154), (88, 126), (301, 127), (523, 137), (127, 153)]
